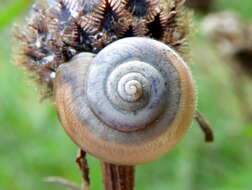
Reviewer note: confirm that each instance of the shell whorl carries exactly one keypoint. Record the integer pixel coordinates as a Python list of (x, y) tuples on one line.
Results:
[(132, 65), (129, 104)]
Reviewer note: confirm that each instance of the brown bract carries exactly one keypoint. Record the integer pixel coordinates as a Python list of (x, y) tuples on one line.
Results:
[(56, 31)]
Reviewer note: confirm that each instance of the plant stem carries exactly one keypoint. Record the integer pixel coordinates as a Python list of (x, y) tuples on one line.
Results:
[(117, 177)]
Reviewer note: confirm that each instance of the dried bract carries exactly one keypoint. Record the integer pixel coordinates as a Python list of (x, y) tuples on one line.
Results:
[(59, 29)]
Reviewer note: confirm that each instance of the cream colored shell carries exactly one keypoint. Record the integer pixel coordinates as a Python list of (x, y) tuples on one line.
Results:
[(128, 105)]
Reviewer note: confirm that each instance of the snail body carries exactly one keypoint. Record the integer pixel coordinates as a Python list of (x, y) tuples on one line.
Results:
[(129, 104)]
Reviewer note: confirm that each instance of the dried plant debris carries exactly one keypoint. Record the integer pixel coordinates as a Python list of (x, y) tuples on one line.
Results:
[(81, 160), (63, 182), (204, 126), (201, 6), (232, 36), (57, 30)]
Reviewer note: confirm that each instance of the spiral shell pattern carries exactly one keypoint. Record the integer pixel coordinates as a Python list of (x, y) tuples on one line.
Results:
[(134, 98), (134, 91)]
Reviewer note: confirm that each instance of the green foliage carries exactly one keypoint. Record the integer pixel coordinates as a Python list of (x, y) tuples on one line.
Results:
[(242, 7), (34, 146), (11, 10)]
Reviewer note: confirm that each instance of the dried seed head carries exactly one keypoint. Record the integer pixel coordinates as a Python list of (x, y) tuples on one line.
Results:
[(60, 29)]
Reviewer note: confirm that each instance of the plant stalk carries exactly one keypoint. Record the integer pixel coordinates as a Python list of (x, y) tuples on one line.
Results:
[(116, 177)]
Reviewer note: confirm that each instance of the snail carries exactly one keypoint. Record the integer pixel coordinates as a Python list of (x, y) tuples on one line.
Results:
[(127, 105), (116, 72)]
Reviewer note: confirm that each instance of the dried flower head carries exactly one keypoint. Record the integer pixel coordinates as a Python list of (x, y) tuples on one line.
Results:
[(57, 30)]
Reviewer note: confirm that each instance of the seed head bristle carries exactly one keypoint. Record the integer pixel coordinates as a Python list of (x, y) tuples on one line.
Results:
[(56, 32)]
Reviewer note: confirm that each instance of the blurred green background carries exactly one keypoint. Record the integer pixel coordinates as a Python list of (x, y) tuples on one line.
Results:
[(33, 145)]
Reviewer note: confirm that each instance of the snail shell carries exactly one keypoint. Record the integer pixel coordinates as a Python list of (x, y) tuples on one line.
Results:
[(129, 104)]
